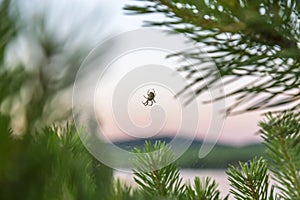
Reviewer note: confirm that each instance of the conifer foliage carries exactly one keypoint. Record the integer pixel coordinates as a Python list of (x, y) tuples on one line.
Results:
[(249, 181)]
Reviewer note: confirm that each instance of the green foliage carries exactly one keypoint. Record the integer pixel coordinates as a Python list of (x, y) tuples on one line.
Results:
[(250, 181), (49, 166), (243, 38), (161, 179), (281, 134), (282, 138), (203, 190), (151, 173), (121, 192)]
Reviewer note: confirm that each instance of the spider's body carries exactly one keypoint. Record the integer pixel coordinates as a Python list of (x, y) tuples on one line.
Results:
[(150, 98)]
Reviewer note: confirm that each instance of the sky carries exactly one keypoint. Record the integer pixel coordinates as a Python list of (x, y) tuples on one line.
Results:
[(118, 86)]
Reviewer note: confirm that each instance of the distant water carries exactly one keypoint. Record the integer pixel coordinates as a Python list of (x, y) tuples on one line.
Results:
[(187, 175)]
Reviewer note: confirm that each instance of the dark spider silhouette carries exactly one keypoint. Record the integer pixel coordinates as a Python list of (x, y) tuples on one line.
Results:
[(150, 98)]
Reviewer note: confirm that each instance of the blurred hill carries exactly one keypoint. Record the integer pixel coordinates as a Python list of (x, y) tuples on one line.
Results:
[(220, 157)]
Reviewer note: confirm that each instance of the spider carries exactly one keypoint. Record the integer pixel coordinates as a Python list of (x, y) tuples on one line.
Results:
[(150, 98)]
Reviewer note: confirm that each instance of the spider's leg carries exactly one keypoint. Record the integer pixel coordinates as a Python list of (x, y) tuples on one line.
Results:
[(154, 91), (148, 92), (154, 100), (145, 97), (144, 103), (151, 103)]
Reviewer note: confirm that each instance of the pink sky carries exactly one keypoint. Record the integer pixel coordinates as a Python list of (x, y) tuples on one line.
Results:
[(237, 130)]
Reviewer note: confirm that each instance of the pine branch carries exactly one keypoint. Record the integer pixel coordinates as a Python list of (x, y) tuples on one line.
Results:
[(281, 134), (155, 173), (160, 179), (203, 190), (250, 181)]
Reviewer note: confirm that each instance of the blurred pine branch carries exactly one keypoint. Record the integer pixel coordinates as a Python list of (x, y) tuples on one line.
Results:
[(49, 166), (44, 69)]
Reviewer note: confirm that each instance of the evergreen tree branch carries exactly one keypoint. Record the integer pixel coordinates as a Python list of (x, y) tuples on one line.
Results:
[(203, 190), (281, 134), (155, 173), (250, 181)]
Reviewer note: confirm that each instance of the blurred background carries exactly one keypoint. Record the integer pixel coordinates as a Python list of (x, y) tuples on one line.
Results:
[(43, 44)]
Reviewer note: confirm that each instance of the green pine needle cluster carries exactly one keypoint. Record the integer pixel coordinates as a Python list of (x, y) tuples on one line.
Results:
[(161, 179), (205, 189), (250, 181), (151, 173), (281, 136)]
